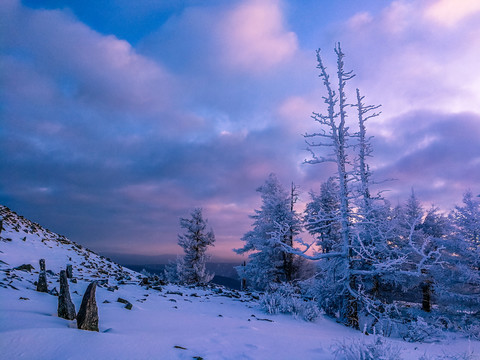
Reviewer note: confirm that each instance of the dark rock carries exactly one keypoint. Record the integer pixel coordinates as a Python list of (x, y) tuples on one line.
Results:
[(106, 302), (42, 277), (69, 271), (50, 272), (42, 282), (268, 320), (87, 317), (128, 306), (66, 308), (175, 293), (42, 264), (23, 298), (123, 301), (25, 267), (74, 280), (53, 292)]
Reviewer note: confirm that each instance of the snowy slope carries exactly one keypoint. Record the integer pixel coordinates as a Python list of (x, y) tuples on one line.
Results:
[(169, 322)]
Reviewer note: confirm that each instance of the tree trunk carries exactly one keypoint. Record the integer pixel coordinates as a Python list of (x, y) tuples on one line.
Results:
[(427, 296)]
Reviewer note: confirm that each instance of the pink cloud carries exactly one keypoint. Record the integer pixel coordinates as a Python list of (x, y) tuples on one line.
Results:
[(102, 70), (405, 61), (254, 37), (451, 12)]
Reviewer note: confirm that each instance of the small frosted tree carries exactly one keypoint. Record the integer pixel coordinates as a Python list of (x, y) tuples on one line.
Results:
[(191, 269), (276, 223), (321, 216), (467, 220), (461, 285)]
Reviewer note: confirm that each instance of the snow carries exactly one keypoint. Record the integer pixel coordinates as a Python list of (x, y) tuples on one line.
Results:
[(201, 322)]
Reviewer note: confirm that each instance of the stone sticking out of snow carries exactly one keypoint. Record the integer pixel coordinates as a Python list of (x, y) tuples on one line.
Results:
[(42, 282), (87, 317), (42, 265), (69, 271), (66, 308)]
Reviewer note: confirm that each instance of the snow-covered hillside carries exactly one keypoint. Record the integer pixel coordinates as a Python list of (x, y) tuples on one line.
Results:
[(165, 322)]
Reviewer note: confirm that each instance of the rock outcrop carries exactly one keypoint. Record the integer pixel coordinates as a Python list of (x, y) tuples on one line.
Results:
[(69, 271), (87, 317), (66, 308), (42, 278)]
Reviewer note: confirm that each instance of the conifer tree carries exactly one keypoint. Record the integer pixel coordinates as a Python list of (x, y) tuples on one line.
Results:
[(276, 223), (191, 269)]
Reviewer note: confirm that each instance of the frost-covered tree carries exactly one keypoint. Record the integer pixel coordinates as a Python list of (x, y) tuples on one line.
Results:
[(191, 268), (466, 219), (334, 135), (369, 244), (276, 223), (461, 267), (414, 243), (321, 216)]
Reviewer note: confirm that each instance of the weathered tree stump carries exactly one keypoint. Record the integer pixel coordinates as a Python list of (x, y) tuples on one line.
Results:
[(66, 308), (87, 317), (69, 271)]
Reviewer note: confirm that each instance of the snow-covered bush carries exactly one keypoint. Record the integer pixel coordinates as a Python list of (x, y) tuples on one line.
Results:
[(172, 270), (285, 299), (419, 330), (358, 349), (472, 331), (466, 355)]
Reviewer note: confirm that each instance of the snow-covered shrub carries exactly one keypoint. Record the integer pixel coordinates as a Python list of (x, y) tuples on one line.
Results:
[(466, 355), (172, 270), (473, 331), (419, 330), (284, 299), (358, 349), (146, 273)]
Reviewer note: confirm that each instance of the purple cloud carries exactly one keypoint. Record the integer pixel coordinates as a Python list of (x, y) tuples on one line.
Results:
[(110, 142)]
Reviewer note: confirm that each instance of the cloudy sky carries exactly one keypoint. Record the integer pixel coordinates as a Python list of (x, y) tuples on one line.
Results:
[(118, 117)]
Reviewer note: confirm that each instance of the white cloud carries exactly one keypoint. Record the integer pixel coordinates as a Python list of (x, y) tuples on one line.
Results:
[(451, 12), (254, 36), (407, 63), (360, 19)]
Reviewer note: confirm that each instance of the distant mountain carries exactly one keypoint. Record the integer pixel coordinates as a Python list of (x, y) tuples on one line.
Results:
[(225, 273)]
